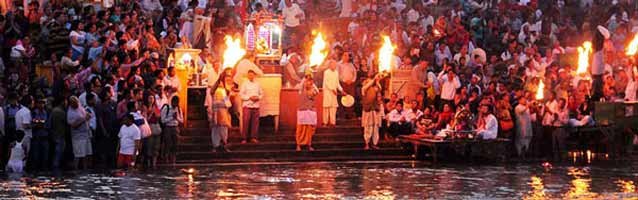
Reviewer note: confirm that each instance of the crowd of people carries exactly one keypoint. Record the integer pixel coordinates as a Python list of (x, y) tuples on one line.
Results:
[(110, 95)]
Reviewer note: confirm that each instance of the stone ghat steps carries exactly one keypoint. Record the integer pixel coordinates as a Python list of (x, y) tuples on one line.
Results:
[(298, 158), (341, 143), (280, 145), (199, 131), (292, 155), (235, 138)]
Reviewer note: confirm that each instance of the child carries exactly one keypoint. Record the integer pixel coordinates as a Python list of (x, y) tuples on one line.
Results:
[(18, 155), (130, 136)]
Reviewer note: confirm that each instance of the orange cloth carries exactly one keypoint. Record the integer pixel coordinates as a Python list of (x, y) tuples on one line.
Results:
[(304, 134)]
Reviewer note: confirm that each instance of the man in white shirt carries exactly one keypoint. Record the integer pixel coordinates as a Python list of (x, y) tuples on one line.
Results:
[(487, 124), (413, 15), (172, 117), (172, 82), (293, 15), (331, 87), (130, 136), (398, 118), (251, 94), (23, 121), (449, 84), (347, 78)]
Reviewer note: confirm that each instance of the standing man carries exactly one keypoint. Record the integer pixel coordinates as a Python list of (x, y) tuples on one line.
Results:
[(218, 116), (59, 128), (172, 117), (372, 114), (523, 126), (24, 121), (251, 93), (293, 15), (78, 120), (347, 78), (40, 141), (331, 88), (449, 84)]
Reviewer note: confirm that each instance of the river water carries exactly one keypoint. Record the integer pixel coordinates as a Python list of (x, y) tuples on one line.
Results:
[(341, 180)]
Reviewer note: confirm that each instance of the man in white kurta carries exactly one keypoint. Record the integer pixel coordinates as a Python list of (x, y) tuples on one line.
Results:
[(523, 126), (331, 87)]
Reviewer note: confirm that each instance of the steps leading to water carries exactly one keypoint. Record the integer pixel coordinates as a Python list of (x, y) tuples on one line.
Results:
[(341, 143)]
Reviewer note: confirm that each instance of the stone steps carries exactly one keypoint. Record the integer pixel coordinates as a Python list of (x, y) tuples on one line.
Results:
[(281, 145), (341, 143), (295, 159), (292, 155)]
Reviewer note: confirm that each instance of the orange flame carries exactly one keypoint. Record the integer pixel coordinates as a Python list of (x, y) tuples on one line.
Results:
[(632, 47), (385, 55), (540, 91), (318, 51), (233, 52), (583, 57)]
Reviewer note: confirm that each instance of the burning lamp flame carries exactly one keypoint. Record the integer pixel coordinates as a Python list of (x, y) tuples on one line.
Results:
[(540, 91), (583, 57), (233, 52), (385, 55), (437, 33), (318, 53), (632, 47), (185, 59)]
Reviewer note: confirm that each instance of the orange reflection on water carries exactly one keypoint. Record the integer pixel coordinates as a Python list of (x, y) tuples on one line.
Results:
[(580, 188), (626, 186), (538, 189)]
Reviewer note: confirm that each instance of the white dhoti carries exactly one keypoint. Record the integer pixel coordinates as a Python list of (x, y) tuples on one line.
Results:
[(371, 121), (219, 135)]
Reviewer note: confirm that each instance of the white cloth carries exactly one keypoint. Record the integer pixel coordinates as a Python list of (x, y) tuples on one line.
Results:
[(491, 128), (448, 87), (219, 135), (152, 5), (395, 115), (23, 121), (290, 15), (80, 36), (306, 117), (171, 116), (346, 8), (16, 160), (630, 90), (242, 68), (128, 136), (172, 82), (413, 15), (347, 72), (250, 89), (330, 84), (523, 128)]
